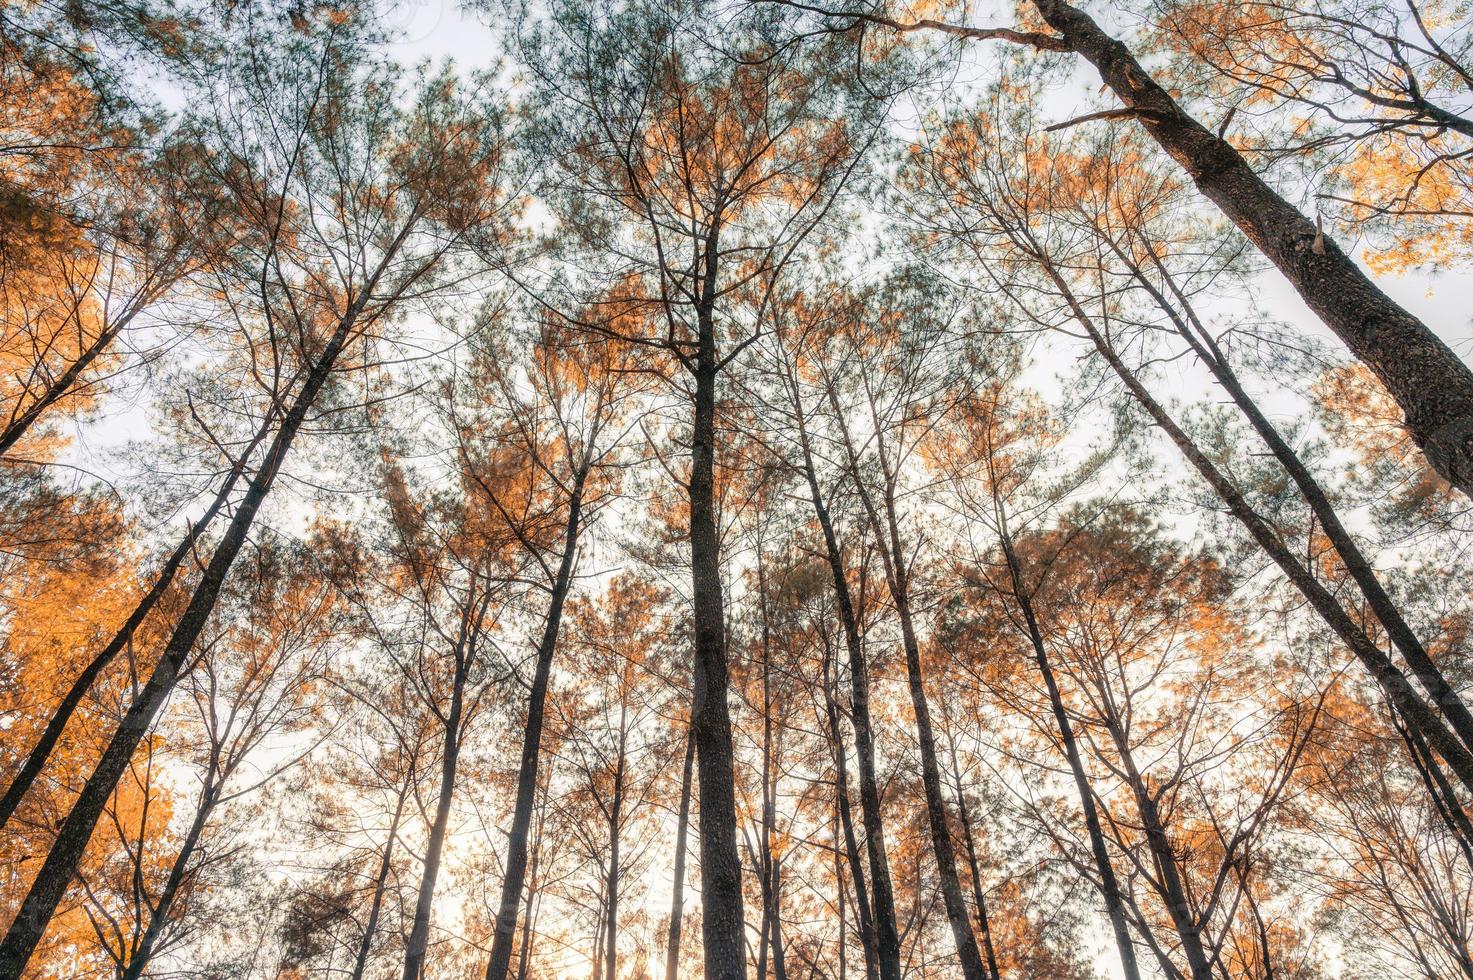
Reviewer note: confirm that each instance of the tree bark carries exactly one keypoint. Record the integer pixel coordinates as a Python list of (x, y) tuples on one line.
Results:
[(1430, 382), (516, 851), (892, 557), (35, 761), (851, 846), (722, 923), (380, 883), (417, 945), (61, 863)]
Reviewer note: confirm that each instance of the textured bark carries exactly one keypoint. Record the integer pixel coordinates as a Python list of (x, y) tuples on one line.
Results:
[(521, 823), (886, 529), (677, 889), (722, 924), (60, 866), (842, 807), (1430, 383)]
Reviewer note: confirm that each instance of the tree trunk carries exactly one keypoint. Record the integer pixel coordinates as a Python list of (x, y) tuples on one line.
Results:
[(1424, 669), (72, 700), (1387, 675), (722, 924), (886, 933), (984, 924), (380, 883), (516, 848), (60, 866), (1430, 383), (1109, 885), (842, 807), (611, 907), (677, 889), (419, 935), (158, 918), (892, 556)]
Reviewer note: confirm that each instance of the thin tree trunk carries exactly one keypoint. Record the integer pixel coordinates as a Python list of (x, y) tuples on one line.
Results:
[(984, 924), (516, 849), (886, 933), (62, 385), (892, 556), (380, 884), (1430, 383), (677, 889), (1109, 885), (846, 821), (616, 811), (1424, 669), (60, 866), (158, 918), (1172, 889), (419, 934)]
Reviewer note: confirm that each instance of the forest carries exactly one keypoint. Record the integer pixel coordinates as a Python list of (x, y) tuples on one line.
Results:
[(736, 489)]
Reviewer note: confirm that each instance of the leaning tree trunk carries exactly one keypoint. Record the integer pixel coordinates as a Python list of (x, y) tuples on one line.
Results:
[(1388, 676), (886, 933), (1205, 346), (521, 823), (380, 884), (72, 700), (1430, 383), (418, 943), (1109, 884), (61, 863)]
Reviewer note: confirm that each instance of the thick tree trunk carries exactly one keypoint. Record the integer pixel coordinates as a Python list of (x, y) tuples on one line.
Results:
[(886, 933), (1109, 884), (61, 863), (722, 924), (1430, 383), (516, 848), (677, 888), (380, 884), (419, 934), (35, 761)]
